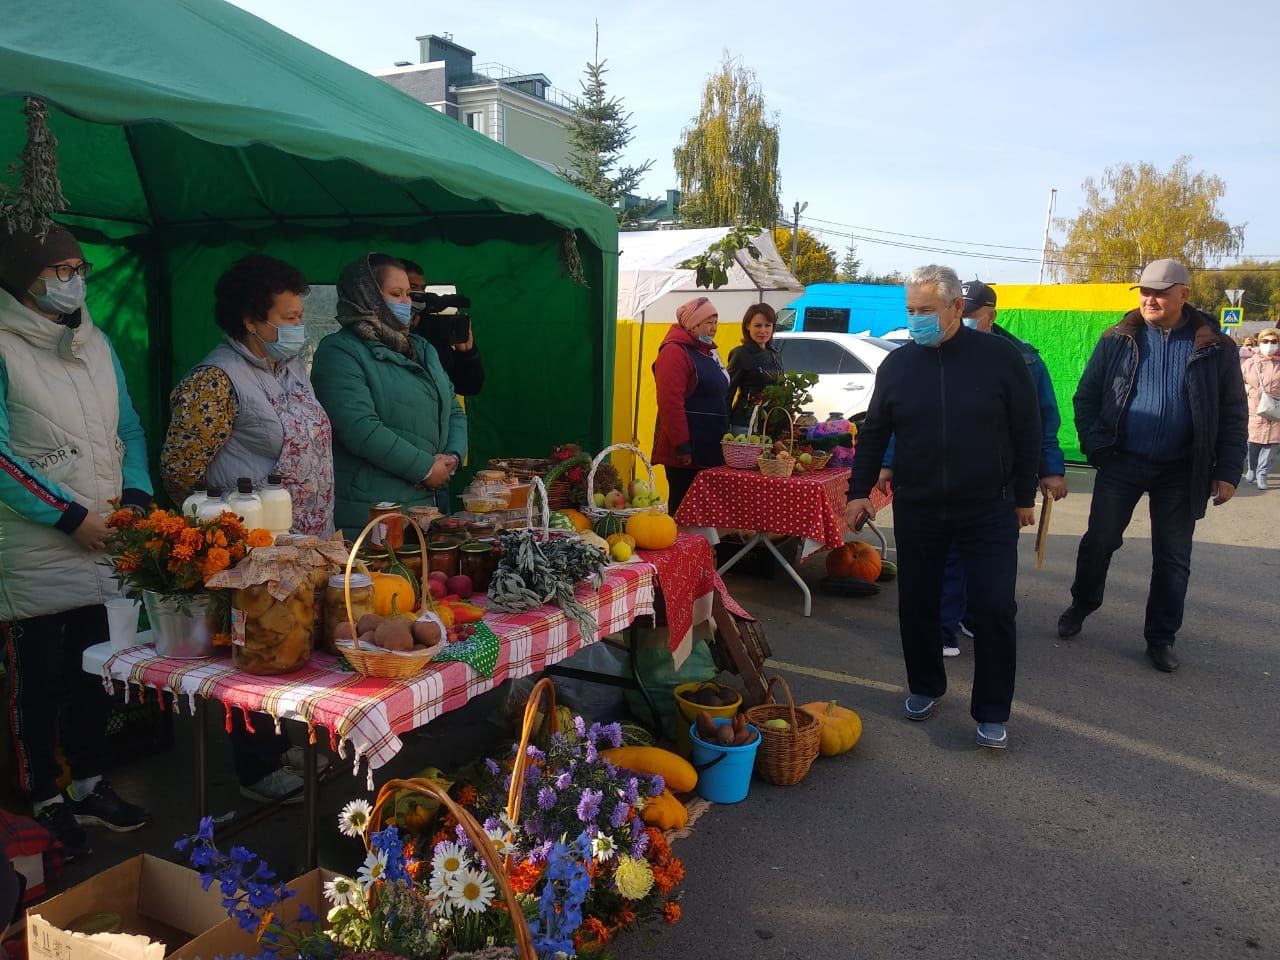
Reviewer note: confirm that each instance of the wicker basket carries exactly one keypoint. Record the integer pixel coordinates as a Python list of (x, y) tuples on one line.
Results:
[(544, 689), (599, 513), (541, 525), (819, 461), (372, 661), (776, 468), (476, 834), (785, 756), (743, 456)]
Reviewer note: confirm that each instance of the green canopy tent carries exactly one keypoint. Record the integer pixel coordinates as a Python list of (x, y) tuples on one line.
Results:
[(191, 133)]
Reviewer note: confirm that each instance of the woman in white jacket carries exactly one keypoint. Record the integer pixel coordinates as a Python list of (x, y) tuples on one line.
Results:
[(70, 442)]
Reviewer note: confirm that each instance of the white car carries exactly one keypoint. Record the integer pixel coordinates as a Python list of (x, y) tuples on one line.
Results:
[(846, 366)]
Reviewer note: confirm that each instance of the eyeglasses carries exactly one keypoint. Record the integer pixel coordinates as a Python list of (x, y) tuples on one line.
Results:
[(64, 271), (1269, 341)]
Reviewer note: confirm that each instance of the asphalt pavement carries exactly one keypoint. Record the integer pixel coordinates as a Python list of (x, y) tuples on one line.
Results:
[(1134, 814)]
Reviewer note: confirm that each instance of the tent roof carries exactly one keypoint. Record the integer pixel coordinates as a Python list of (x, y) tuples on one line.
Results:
[(225, 117), (648, 259)]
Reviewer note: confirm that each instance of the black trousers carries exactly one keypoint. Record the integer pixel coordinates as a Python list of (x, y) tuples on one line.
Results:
[(1120, 484), (679, 480), (986, 536), (49, 692)]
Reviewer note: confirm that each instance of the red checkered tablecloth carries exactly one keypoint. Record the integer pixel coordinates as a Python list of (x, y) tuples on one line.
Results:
[(688, 581), (810, 505), (365, 716)]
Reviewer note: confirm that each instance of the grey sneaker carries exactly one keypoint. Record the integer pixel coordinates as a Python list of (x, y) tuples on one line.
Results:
[(950, 648), (1248, 474), (920, 707), (281, 785), (295, 757), (1262, 481), (993, 735)]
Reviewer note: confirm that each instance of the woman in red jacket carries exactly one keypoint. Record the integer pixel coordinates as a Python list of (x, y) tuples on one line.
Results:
[(692, 390)]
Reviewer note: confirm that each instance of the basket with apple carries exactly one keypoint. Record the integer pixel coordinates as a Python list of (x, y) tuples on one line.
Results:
[(741, 451), (640, 496)]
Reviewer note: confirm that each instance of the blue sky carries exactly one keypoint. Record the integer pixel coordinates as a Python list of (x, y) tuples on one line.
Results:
[(947, 120)]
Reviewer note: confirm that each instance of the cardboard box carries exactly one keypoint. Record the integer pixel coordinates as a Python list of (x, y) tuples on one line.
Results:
[(227, 938), (161, 904)]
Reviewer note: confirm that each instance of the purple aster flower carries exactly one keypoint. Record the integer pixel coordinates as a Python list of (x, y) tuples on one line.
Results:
[(535, 753), (632, 793), (461, 835), (642, 843), (619, 816), (656, 786), (580, 726), (592, 753), (563, 781), (613, 733), (546, 798), (589, 805), (492, 766)]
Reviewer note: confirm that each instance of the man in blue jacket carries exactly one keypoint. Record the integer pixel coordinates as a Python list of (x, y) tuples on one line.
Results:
[(962, 410), (1160, 410)]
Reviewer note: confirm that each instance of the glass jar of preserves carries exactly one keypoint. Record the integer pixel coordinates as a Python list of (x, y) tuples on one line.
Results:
[(478, 559), (270, 636), (442, 557), (335, 604), (410, 557), (486, 529), (447, 528)]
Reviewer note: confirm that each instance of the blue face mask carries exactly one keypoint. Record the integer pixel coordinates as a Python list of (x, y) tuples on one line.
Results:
[(924, 329), (61, 296), (707, 339), (288, 342), (971, 322), (403, 312)]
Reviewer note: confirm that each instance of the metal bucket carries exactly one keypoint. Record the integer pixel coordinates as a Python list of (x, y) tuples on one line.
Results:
[(180, 630)]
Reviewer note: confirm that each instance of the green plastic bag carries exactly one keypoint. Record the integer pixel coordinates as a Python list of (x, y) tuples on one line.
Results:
[(660, 676)]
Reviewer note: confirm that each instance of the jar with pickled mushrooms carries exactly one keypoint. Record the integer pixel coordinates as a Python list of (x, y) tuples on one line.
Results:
[(335, 604), (271, 636)]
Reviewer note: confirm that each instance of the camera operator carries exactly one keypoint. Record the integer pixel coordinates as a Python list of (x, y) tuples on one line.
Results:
[(461, 360)]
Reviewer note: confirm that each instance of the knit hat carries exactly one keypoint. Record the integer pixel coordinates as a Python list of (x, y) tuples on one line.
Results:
[(690, 314), (23, 255)]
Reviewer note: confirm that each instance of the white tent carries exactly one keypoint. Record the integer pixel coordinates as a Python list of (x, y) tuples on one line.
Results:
[(651, 282)]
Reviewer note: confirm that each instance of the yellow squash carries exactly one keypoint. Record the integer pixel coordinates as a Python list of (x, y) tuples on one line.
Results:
[(673, 768), (841, 727), (665, 812), (652, 531)]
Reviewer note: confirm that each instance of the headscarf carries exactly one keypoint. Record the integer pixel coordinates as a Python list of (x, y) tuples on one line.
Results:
[(690, 314), (362, 308)]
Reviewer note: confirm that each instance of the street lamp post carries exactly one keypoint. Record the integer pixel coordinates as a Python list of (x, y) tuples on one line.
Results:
[(795, 233)]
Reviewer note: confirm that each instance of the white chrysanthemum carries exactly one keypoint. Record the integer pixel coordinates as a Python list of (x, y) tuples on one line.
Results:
[(373, 869), (602, 847), (503, 840), (354, 818), (341, 891), (471, 891), (449, 860)]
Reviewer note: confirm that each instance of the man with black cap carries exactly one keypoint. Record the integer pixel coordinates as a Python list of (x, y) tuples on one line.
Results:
[(1160, 410), (70, 443)]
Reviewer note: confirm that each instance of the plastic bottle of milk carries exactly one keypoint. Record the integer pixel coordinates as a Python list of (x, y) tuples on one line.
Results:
[(191, 505), (246, 504), (277, 506), (212, 507)]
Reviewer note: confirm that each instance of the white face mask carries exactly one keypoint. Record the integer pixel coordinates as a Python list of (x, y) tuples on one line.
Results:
[(1268, 349)]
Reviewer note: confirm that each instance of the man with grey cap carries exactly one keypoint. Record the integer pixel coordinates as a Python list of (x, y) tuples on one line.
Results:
[(1160, 410)]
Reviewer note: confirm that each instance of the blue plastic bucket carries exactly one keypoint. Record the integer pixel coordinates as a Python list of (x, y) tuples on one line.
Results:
[(724, 773)]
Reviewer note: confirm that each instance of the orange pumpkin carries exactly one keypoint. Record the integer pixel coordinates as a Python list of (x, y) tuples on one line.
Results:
[(855, 559), (652, 531), (392, 593), (580, 522)]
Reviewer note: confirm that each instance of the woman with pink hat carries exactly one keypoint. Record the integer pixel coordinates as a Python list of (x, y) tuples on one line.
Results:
[(692, 393)]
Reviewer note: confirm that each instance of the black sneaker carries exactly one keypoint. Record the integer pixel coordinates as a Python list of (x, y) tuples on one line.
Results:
[(60, 820), (1071, 621), (103, 808)]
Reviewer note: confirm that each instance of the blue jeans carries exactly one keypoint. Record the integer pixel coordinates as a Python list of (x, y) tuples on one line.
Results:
[(1122, 480), (953, 596), (986, 538)]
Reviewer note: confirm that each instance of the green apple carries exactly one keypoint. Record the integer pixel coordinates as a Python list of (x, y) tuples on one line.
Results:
[(752, 439), (599, 499), (728, 438), (741, 438), (805, 458)]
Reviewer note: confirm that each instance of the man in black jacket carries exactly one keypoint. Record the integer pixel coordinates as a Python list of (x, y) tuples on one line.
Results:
[(461, 361), (1160, 410), (963, 410)]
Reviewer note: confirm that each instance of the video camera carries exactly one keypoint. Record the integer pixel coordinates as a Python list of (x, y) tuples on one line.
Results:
[(441, 308)]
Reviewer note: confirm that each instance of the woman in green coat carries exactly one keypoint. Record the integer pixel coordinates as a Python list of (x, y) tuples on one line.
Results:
[(398, 429)]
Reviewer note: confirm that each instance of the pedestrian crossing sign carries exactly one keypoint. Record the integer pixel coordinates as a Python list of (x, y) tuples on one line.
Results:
[(1231, 316)]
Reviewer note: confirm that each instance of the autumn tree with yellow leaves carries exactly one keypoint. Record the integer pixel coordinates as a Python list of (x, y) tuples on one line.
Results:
[(815, 261), (727, 160), (1138, 213)]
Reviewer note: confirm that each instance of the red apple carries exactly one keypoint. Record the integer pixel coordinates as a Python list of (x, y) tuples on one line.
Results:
[(438, 575), (437, 588), (461, 585)]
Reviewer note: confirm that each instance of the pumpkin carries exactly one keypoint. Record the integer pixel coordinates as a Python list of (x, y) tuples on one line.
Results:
[(626, 538), (610, 524), (841, 727), (580, 522), (664, 812), (652, 531), (674, 769), (888, 571), (391, 593), (856, 559)]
